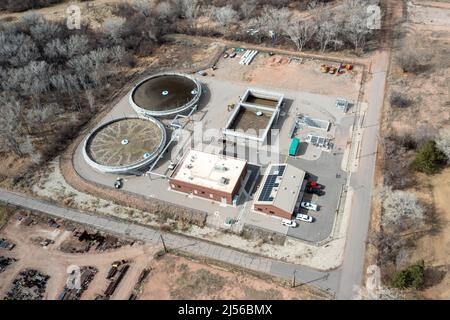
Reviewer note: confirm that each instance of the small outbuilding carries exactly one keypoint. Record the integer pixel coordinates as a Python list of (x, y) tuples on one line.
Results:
[(280, 190)]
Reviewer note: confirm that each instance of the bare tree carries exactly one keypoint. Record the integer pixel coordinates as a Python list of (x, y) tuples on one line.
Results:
[(17, 49), (56, 49), (10, 124), (225, 15), (300, 32), (273, 21), (355, 23), (76, 45), (143, 7), (65, 83), (45, 31), (113, 27), (188, 9), (327, 29), (27, 148), (166, 11), (399, 206), (248, 8)]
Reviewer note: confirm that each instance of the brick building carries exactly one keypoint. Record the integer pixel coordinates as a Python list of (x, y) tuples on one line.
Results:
[(211, 176), (281, 189)]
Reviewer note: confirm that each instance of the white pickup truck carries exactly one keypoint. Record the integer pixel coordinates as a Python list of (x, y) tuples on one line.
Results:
[(309, 206), (304, 217)]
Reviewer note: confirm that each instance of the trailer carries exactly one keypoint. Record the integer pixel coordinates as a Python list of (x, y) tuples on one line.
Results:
[(294, 146)]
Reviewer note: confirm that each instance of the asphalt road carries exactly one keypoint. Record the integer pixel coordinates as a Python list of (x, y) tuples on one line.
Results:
[(303, 275), (362, 183)]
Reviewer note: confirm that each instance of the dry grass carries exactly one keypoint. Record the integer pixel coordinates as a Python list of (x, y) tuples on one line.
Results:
[(191, 285), (4, 214)]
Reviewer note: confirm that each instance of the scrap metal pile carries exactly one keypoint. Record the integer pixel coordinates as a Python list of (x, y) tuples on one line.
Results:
[(115, 275), (87, 274), (83, 241), (5, 262), (29, 285)]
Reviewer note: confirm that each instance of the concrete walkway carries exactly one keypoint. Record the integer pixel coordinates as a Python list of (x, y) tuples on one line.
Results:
[(327, 281)]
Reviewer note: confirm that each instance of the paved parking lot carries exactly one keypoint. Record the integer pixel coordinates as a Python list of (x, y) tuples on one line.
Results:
[(325, 169)]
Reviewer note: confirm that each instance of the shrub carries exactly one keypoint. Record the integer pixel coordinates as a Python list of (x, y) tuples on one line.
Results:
[(443, 141), (411, 277), (409, 61), (401, 208), (429, 158), (397, 99)]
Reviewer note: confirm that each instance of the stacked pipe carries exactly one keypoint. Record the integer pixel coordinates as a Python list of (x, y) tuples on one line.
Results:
[(248, 57)]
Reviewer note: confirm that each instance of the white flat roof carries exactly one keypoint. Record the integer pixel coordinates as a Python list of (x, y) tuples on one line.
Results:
[(280, 187), (208, 170)]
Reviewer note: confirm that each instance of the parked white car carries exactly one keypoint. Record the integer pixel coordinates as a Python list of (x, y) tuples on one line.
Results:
[(172, 165), (309, 205), (289, 223), (304, 217)]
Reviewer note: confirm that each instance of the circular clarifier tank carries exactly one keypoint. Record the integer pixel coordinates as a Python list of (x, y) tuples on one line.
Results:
[(165, 95), (124, 145)]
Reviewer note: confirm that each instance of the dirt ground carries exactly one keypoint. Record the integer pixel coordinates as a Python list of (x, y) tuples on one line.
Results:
[(429, 112), (50, 260), (434, 248), (428, 90), (171, 277), (302, 74), (174, 277)]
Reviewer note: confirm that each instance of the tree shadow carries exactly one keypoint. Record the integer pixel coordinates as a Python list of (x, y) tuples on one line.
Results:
[(434, 275)]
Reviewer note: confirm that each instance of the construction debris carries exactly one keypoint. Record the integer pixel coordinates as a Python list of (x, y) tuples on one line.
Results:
[(86, 277), (28, 221), (139, 284), (5, 262), (247, 57), (83, 241), (5, 244), (30, 285), (115, 275)]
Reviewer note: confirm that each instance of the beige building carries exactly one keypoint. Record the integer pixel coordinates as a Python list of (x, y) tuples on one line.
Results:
[(211, 176), (280, 190)]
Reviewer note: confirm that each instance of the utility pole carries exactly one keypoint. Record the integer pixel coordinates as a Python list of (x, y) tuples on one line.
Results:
[(293, 279), (164, 244)]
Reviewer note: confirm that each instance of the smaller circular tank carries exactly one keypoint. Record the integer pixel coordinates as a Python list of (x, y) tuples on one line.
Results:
[(125, 144), (165, 94)]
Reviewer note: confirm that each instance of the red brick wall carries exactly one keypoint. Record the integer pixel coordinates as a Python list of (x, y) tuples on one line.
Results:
[(273, 211), (207, 192)]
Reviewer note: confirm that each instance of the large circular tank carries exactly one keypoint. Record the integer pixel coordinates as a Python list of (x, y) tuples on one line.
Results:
[(125, 144), (165, 94)]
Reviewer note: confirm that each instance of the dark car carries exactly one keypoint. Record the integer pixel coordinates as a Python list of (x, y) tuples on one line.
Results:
[(317, 191), (118, 183)]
